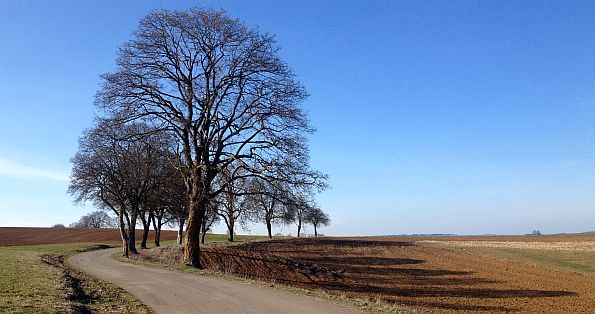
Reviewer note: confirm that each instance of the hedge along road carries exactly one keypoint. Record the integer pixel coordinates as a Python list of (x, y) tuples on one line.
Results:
[(175, 292)]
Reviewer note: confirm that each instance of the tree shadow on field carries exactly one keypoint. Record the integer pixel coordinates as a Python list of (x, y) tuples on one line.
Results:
[(72, 284), (368, 268), (363, 260), (435, 292), (453, 306), (317, 245)]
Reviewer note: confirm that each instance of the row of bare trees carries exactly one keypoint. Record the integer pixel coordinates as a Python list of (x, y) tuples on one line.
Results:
[(132, 170), (219, 92), (259, 201), (121, 168)]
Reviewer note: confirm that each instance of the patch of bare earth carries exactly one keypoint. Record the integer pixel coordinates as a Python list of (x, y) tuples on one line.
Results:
[(30, 236), (402, 271)]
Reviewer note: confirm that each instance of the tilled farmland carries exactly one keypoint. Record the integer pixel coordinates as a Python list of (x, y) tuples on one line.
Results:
[(406, 271)]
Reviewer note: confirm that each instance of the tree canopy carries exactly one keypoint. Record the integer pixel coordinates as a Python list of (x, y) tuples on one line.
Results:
[(222, 91)]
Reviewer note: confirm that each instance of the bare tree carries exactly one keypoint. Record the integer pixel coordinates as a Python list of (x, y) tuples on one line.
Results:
[(96, 219), (219, 87), (298, 210), (317, 218), (176, 199), (231, 203), (145, 215), (114, 167), (179, 213), (158, 219), (211, 218), (266, 202)]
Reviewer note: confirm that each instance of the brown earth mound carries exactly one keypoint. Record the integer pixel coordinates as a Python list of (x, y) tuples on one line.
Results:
[(237, 261), (28, 236), (257, 265)]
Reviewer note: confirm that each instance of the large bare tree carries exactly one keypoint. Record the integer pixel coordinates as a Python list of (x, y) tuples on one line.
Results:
[(219, 87)]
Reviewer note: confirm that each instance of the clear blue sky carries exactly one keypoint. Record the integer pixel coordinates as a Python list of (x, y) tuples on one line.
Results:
[(465, 117)]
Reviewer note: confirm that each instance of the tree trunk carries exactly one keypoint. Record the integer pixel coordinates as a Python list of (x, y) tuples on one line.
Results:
[(198, 204), (180, 230), (270, 228), (299, 228), (157, 227), (146, 226), (123, 235), (315, 231), (132, 231), (230, 227), (203, 230)]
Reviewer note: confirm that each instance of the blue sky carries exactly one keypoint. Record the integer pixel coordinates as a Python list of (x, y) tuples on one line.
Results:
[(464, 117)]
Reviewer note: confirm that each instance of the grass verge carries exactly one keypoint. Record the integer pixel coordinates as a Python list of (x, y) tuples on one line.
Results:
[(35, 279)]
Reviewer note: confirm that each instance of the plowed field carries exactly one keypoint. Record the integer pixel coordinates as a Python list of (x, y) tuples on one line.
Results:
[(27, 236), (430, 277)]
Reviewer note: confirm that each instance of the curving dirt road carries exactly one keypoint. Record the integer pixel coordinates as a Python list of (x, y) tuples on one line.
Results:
[(175, 292)]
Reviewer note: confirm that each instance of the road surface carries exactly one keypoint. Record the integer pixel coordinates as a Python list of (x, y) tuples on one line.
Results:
[(175, 292)]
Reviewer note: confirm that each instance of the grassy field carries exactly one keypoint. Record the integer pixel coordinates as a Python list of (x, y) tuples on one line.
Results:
[(573, 261), (34, 279)]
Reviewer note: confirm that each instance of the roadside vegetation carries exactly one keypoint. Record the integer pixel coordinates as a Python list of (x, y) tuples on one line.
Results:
[(35, 278)]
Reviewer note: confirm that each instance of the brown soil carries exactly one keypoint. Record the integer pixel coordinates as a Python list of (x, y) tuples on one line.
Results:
[(28, 236), (401, 270)]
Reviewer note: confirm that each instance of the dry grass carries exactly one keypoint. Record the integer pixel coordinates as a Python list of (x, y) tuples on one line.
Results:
[(566, 256), (578, 246)]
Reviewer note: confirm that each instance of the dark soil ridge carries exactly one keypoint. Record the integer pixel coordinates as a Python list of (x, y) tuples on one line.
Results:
[(238, 261), (246, 261)]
